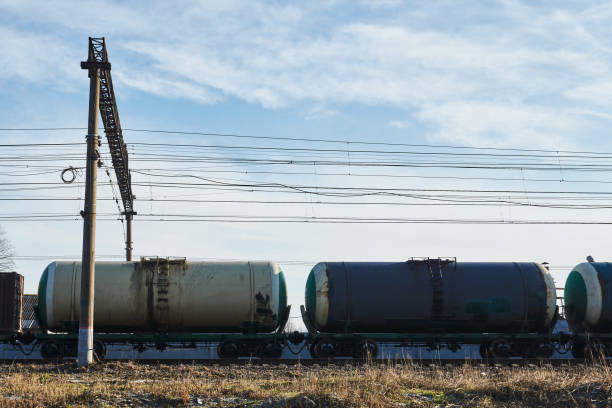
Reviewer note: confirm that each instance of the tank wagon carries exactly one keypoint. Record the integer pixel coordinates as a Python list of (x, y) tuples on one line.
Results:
[(160, 302), (588, 307), (507, 308), (168, 295)]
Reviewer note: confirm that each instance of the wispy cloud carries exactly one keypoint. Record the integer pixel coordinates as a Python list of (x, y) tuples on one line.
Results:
[(168, 88), (36, 57), (521, 61), (398, 124), (498, 124), (320, 112)]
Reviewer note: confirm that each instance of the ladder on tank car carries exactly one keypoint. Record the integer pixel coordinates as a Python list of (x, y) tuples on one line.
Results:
[(437, 284)]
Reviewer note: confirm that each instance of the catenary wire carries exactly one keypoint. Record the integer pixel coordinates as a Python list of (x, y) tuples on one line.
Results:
[(301, 139)]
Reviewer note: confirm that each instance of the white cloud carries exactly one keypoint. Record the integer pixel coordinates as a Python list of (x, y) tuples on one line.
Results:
[(596, 93), (398, 124), (523, 57), (489, 124), (375, 4), (320, 112), (37, 57), (168, 88)]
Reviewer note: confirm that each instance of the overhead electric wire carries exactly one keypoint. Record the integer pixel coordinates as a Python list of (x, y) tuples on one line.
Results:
[(350, 203), (43, 144), (554, 164), (302, 139), (314, 220), (116, 200), (438, 197), (174, 146), (298, 262), (310, 189), (53, 169), (169, 158), (380, 175), (167, 155)]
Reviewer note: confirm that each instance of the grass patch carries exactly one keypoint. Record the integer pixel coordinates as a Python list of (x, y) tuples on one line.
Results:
[(435, 396), (130, 383)]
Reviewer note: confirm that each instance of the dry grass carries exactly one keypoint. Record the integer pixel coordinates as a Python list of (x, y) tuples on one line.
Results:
[(129, 383)]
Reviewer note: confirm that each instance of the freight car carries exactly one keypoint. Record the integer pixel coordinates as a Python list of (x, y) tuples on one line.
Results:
[(588, 308), (159, 302), (509, 309)]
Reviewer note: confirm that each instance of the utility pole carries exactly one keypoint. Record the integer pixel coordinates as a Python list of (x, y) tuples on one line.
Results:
[(128, 236), (85, 345), (102, 98)]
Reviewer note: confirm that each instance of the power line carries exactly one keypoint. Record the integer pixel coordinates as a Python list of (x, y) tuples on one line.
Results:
[(152, 217), (296, 262), (191, 158), (306, 188), (116, 200), (301, 139), (355, 151), (350, 203), (381, 175), (43, 144), (55, 169), (367, 190)]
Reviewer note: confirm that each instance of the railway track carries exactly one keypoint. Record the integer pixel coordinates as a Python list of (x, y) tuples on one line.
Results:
[(336, 362)]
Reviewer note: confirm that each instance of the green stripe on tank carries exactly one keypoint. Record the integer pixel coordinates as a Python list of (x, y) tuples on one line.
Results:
[(282, 295), (575, 297), (42, 295), (311, 296)]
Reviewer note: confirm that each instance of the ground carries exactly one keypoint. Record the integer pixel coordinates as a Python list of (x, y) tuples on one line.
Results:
[(368, 385)]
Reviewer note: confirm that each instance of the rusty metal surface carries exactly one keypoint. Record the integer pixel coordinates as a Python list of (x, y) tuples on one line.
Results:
[(98, 57), (172, 295), (11, 291)]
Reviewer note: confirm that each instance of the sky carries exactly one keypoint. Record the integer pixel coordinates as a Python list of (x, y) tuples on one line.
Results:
[(340, 76)]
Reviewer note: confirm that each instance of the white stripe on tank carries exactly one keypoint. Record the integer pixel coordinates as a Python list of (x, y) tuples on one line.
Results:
[(322, 294), (594, 299), (551, 294)]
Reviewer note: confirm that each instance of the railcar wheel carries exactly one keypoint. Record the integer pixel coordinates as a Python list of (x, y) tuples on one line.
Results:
[(484, 351), (311, 348), (270, 350), (228, 349), (51, 350), (324, 348), (500, 349), (366, 349), (544, 351), (99, 351)]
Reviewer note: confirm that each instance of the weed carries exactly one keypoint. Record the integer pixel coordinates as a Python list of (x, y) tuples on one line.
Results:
[(371, 385)]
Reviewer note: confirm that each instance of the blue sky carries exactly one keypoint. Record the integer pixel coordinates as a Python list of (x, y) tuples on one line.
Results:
[(504, 74)]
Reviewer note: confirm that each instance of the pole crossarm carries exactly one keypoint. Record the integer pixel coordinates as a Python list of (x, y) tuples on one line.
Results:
[(98, 58)]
